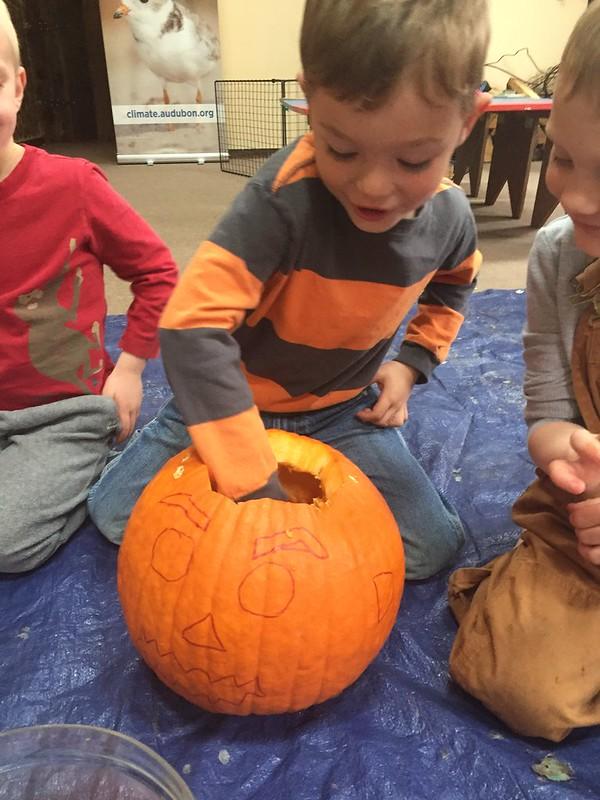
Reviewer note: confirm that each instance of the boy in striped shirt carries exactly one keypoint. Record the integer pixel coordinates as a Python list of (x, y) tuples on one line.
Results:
[(284, 316)]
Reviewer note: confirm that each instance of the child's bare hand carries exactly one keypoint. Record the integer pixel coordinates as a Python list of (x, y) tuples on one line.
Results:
[(580, 472), (584, 516), (124, 385), (395, 381)]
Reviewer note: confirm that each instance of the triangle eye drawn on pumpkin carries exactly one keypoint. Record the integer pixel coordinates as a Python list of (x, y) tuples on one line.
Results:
[(297, 539), (384, 591), (185, 502), (204, 634)]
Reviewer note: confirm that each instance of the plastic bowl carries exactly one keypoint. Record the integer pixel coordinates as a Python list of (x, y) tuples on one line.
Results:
[(81, 762)]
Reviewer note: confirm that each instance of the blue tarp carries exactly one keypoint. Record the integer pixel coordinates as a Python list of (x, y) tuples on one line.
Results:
[(403, 731)]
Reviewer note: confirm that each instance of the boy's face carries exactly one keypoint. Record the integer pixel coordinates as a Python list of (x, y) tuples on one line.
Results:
[(573, 174), (12, 85), (382, 165)]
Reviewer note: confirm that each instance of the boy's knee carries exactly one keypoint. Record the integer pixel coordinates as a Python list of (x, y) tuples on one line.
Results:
[(427, 557), (26, 541), (528, 707), (534, 708), (109, 505), (11, 561), (112, 498), (19, 554), (517, 679), (110, 518)]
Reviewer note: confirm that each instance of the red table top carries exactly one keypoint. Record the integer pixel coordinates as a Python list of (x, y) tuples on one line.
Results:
[(300, 106), (520, 104)]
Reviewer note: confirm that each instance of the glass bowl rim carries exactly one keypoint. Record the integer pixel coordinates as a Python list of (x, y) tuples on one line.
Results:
[(172, 773)]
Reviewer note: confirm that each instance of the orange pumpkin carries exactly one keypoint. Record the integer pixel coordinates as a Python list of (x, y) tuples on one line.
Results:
[(263, 606)]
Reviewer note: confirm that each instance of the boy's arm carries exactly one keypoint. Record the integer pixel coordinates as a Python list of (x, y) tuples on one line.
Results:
[(548, 384), (442, 304), (221, 285), (557, 443), (561, 447), (125, 242)]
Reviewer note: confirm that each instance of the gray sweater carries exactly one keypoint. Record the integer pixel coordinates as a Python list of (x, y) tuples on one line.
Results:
[(552, 317)]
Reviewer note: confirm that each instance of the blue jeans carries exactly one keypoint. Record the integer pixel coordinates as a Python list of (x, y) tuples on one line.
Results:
[(431, 530)]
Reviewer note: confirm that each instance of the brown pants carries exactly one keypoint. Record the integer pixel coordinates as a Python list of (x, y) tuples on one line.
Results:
[(528, 644)]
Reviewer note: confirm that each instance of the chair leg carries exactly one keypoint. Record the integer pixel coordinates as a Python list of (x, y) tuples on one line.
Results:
[(544, 203), (511, 160), (470, 155)]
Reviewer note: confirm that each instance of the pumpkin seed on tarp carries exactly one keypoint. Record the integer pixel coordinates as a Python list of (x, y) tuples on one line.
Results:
[(553, 769)]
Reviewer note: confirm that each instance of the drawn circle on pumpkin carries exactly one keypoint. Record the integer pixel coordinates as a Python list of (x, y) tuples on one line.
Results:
[(267, 591), (172, 554)]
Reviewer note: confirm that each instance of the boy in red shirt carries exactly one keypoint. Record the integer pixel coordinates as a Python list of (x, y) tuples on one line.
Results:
[(61, 399)]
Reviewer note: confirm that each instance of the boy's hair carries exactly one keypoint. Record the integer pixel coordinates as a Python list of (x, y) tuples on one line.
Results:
[(579, 69), (359, 49), (6, 24)]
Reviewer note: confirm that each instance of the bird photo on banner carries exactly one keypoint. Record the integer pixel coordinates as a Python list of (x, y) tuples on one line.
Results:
[(176, 44), (162, 58)]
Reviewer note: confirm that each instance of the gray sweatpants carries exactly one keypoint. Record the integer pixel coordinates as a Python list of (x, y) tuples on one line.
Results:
[(49, 457)]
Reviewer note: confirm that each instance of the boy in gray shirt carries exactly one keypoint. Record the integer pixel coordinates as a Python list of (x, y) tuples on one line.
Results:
[(527, 644)]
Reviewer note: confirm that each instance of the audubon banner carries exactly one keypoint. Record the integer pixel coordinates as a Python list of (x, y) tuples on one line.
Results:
[(162, 58)]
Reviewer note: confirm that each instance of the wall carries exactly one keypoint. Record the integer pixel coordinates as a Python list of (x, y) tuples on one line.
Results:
[(541, 25), (260, 38)]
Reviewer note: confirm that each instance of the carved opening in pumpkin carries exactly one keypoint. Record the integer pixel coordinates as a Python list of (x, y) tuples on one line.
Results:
[(301, 487)]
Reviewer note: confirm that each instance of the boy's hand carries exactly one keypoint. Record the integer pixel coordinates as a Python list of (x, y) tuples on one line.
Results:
[(584, 516), (124, 385), (580, 471), (396, 381), (272, 490)]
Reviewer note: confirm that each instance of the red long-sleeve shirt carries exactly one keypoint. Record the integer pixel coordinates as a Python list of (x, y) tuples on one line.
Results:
[(61, 222)]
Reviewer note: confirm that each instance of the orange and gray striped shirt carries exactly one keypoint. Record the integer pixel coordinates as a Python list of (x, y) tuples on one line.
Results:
[(288, 307)]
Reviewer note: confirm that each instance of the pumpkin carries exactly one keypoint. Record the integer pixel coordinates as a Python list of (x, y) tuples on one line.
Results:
[(262, 606)]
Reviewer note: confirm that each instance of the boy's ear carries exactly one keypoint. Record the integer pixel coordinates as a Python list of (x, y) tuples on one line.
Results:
[(21, 83), (301, 81), (482, 101)]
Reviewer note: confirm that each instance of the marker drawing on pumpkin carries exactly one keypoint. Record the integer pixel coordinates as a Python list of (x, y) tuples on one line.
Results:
[(296, 539), (239, 693), (229, 620), (172, 554), (204, 634), (238, 689), (282, 586), (384, 591), (186, 503)]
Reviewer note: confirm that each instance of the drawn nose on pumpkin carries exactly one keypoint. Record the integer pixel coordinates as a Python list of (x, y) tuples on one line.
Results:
[(295, 538)]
